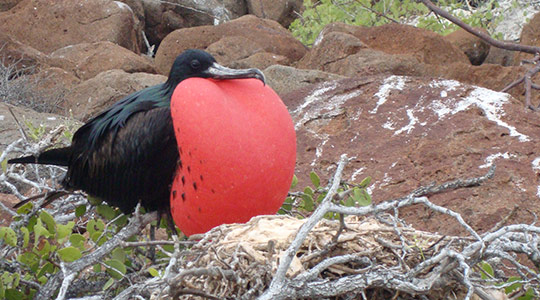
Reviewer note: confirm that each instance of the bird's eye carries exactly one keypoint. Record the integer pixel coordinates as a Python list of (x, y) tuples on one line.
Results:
[(195, 64)]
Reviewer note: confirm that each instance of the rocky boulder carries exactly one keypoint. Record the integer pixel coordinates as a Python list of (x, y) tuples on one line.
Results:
[(257, 35), (86, 60), (345, 54), (407, 132), (50, 25), (397, 39), (8, 4), (283, 11), (285, 79), (15, 54), (530, 35), (100, 92), (163, 17), (474, 47)]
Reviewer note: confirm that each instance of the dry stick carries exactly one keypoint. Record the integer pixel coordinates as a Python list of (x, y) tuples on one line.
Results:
[(137, 222), (21, 130), (275, 291)]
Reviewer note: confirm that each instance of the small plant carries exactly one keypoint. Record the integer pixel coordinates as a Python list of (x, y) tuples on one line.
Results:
[(302, 204)]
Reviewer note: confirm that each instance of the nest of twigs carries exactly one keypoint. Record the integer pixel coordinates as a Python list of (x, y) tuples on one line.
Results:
[(238, 261)]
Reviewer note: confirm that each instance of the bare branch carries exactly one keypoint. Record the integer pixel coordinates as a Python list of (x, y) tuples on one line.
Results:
[(482, 35)]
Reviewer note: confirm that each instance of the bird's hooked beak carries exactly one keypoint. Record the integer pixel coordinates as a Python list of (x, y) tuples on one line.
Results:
[(218, 71)]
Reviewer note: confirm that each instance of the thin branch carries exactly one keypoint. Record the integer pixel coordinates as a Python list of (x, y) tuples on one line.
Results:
[(482, 35)]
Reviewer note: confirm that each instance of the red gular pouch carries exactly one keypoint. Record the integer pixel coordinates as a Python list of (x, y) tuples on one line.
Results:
[(237, 148)]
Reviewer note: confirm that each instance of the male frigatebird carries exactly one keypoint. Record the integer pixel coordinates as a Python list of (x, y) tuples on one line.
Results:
[(128, 153)]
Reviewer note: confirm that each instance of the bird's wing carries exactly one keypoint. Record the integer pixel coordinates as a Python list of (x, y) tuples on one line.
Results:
[(111, 120), (135, 164)]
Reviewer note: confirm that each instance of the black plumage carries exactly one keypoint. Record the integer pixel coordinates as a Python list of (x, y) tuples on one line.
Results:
[(128, 153)]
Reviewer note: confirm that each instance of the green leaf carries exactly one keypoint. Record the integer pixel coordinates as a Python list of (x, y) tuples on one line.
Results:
[(365, 182), (488, 269), (308, 202), (308, 191), (315, 179), (294, 181), (115, 268), (108, 284), (99, 235), (44, 249), (48, 220), (153, 272), (47, 268), (26, 236), (80, 210), (39, 231), (94, 201), (25, 209), (4, 165), (119, 254), (514, 286), (69, 254), (122, 221), (106, 211), (8, 235), (2, 290), (64, 231), (30, 259), (13, 294), (77, 240)]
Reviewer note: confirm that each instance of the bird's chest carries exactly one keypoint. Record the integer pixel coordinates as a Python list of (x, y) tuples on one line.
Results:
[(237, 149)]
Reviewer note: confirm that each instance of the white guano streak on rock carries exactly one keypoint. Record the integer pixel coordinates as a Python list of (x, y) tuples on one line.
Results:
[(412, 122), (489, 101), (328, 104), (391, 83), (536, 167), (491, 158), (122, 5)]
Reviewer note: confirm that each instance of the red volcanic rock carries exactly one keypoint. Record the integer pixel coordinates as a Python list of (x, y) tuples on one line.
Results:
[(50, 25), (408, 132), (258, 35), (98, 93), (86, 60)]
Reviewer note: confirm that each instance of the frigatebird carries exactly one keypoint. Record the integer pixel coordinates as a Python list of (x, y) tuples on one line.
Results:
[(128, 153)]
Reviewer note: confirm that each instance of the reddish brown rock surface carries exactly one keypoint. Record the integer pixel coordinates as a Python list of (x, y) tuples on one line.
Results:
[(424, 45), (50, 25), (259, 35), (98, 93), (409, 132), (282, 11), (86, 60), (7, 200), (474, 47), (530, 35)]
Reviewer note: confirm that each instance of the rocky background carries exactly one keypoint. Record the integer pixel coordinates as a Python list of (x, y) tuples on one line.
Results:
[(411, 106)]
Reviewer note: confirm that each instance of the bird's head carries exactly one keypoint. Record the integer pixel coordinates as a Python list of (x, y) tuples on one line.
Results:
[(198, 63)]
